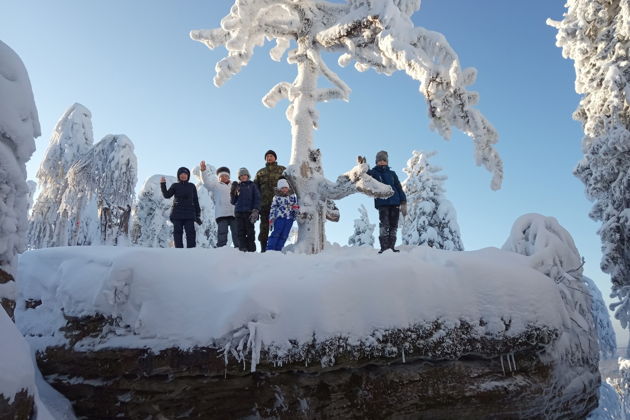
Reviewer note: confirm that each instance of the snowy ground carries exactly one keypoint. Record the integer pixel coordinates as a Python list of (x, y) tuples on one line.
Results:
[(202, 297)]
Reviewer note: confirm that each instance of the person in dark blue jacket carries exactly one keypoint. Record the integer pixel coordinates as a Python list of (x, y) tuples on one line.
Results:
[(185, 211), (390, 208), (246, 199)]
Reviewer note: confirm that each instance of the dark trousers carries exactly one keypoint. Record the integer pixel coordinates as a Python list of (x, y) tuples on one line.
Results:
[(178, 230), (388, 224), (223, 223), (279, 234), (263, 235), (246, 233)]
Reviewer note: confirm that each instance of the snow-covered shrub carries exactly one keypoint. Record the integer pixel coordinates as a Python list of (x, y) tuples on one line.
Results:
[(363, 230), (151, 226), (431, 218)]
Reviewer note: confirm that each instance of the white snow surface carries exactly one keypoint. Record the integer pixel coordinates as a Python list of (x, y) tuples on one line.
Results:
[(200, 297), (17, 370)]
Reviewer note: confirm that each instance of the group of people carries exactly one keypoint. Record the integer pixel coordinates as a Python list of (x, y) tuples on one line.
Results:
[(239, 204)]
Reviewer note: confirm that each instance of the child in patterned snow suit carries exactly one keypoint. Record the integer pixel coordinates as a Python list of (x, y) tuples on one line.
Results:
[(284, 209)]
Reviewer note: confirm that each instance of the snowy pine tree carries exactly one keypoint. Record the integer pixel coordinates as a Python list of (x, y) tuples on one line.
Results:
[(207, 231), (71, 138), (19, 125), (151, 227), (431, 218), (595, 34), (376, 34), (363, 230), (605, 331), (104, 177)]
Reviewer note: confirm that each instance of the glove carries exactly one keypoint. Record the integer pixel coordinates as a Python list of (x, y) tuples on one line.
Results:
[(253, 216), (198, 220), (403, 209)]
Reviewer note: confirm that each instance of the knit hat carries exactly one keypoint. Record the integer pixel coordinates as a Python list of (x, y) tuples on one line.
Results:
[(271, 152), (283, 183), (382, 155), (223, 170), (243, 171), (183, 170)]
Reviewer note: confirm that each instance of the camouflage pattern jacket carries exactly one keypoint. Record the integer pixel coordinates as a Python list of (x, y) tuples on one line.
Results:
[(266, 180)]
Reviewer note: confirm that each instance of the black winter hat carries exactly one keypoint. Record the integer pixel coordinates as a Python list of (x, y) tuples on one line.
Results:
[(223, 169), (183, 170), (271, 152)]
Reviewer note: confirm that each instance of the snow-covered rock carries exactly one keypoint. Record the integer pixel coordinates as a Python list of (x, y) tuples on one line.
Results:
[(19, 126), (350, 331)]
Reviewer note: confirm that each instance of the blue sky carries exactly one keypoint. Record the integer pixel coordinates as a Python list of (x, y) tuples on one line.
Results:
[(134, 66)]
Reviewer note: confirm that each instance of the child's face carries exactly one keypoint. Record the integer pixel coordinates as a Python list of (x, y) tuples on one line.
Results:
[(243, 178), (382, 163), (284, 190), (224, 178), (183, 176)]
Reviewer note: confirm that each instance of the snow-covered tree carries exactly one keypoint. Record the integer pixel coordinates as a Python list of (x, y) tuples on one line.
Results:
[(377, 34), (207, 232), (150, 221), (431, 218), (32, 188), (106, 177), (605, 331), (595, 34), (71, 138), (19, 125), (363, 230)]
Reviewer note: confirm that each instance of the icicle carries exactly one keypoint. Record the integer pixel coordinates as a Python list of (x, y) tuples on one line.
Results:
[(502, 366), (513, 360), (403, 355)]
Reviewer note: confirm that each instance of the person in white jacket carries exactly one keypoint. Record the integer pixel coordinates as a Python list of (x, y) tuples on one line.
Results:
[(224, 209)]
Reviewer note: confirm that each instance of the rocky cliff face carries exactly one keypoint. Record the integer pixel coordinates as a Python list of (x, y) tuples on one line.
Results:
[(433, 378)]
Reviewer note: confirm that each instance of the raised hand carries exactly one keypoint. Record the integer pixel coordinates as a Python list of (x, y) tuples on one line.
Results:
[(162, 180), (202, 165)]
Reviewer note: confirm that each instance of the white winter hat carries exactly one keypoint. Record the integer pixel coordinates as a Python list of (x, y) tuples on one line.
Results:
[(283, 183)]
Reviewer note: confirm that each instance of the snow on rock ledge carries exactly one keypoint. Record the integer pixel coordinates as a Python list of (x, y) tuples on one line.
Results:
[(489, 324)]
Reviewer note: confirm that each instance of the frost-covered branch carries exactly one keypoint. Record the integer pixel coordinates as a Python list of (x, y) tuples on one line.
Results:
[(355, 180)]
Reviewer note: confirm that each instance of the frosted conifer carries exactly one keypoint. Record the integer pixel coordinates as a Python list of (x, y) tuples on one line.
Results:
[(431, 218), (71, 139), (595, 34)]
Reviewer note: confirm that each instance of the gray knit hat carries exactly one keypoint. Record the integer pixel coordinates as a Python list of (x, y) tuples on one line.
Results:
[(243, 171), (382, 155)]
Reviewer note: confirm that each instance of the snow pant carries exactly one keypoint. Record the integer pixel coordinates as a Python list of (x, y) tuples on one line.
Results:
[(279, 234), (223, 223), (179, 225), (388, 225), (263, 235), (246, 233)]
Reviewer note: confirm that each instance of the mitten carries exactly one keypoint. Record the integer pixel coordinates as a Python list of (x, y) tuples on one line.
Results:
[(253, 216), (403, 209), (198, 220)]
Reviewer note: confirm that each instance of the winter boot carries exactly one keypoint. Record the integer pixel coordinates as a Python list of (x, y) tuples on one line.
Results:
[(384, 240), (392, 241)]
